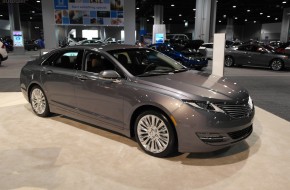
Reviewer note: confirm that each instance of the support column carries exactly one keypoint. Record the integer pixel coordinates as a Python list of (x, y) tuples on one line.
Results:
[(230, 29), (285, 25), (205, 17), (129, 21), (15, 24), (49, 29), (143, 29), (158, 14), (159, 29)]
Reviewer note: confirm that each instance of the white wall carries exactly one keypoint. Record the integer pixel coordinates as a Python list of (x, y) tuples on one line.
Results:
[(272, 30)]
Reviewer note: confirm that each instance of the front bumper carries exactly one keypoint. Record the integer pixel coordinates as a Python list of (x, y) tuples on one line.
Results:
[(204, 131)]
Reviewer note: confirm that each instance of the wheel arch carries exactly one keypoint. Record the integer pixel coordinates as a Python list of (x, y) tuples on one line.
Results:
[(274, 60), (143, 108), (30, 87)]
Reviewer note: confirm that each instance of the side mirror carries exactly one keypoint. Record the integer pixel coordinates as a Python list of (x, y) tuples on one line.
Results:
[(109, 75)]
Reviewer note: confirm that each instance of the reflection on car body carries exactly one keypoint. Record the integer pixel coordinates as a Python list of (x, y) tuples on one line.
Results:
[(140, 92)]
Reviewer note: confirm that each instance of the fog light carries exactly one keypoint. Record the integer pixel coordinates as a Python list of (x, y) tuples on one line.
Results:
[(211, 137)]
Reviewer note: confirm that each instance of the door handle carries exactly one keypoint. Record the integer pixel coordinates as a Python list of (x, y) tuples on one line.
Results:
[(48, 72), (82, 77)]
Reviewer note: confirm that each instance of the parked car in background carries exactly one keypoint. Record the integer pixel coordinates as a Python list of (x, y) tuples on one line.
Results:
[(3, 53), (8, 43), (31, 45), (256, 55), (85, 42), (140, 93), (208, 50), (192, 60)]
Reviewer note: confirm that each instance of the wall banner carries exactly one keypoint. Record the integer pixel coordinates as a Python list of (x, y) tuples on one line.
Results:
[(89, 12)]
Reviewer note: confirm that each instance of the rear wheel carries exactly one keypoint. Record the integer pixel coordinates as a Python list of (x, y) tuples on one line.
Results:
[(229, 61), (155, 134), (277, 65), (39, 102)]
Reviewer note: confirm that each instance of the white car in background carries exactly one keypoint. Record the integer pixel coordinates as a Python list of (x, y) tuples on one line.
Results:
[(208, 49), (3, 53)]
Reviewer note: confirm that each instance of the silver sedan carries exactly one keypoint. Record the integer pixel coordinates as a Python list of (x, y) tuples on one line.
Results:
[(140, 93), (256, 55)]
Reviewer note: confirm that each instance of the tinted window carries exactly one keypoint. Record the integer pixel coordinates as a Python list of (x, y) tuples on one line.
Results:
[(68, 60), (97, 63), (146, 62)]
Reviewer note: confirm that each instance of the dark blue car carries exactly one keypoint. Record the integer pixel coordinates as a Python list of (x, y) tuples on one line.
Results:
[(189, 59)]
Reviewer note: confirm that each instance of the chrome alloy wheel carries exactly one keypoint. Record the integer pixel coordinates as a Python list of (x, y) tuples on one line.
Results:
[(276, 65), (153, 133), (229, 61), (38, 101)]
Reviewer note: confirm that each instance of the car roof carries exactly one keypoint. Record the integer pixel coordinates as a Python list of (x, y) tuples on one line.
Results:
[(104, 47)]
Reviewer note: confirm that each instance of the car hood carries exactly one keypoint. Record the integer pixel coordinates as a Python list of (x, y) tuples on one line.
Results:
[(197, 86)]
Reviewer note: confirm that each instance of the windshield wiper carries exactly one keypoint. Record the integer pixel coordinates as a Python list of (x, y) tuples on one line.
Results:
[(155, 73), (180, 70)]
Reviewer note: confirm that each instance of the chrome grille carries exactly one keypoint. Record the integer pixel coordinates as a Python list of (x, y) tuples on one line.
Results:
[(236, 110)]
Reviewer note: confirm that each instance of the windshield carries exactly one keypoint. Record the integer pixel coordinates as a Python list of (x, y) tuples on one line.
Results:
[(146, 62)]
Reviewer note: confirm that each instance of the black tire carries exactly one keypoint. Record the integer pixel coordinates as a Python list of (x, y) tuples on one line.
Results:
[(229, 61), (277, 65), (158, 140), (39, 102)]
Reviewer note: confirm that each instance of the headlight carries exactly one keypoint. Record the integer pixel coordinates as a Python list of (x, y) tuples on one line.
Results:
[(250, 102), (205, 105)]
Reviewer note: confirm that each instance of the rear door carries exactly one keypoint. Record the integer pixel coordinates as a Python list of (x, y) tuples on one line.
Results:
[(58, 77)]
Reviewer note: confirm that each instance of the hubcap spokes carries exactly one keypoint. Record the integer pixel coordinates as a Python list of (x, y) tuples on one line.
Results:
[(276, 65), (38, 101), (229, 61), (152, 133)]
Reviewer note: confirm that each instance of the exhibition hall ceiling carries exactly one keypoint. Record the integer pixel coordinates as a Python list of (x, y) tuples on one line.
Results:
[(177, 12)]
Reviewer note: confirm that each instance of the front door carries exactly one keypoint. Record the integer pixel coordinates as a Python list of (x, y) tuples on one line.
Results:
[(99, 98)]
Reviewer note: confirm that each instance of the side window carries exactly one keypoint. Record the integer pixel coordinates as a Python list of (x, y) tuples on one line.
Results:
[(67, 60), (97, 63)]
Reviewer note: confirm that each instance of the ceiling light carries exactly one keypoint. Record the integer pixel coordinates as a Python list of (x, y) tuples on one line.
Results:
[(225, 16), (261, 13), (234, 6), (236, 18), (30, 18), (268, 16), (220, 21), (1, 15), (276, 18), (194, 9), (248, 10), (246, 20), (137, 8), (255, 21), (284, 2), (147, 20), (180, 14), (38, 1), (170, 18), (172, 5), (33, 11)]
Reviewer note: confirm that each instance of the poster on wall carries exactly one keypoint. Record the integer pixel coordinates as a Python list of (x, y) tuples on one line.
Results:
[(89, 12), (17, 39)]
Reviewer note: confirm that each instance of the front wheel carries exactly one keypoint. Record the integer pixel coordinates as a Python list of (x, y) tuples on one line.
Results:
[(229, 61), (155, 134), (276, 65), (39, 102)]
